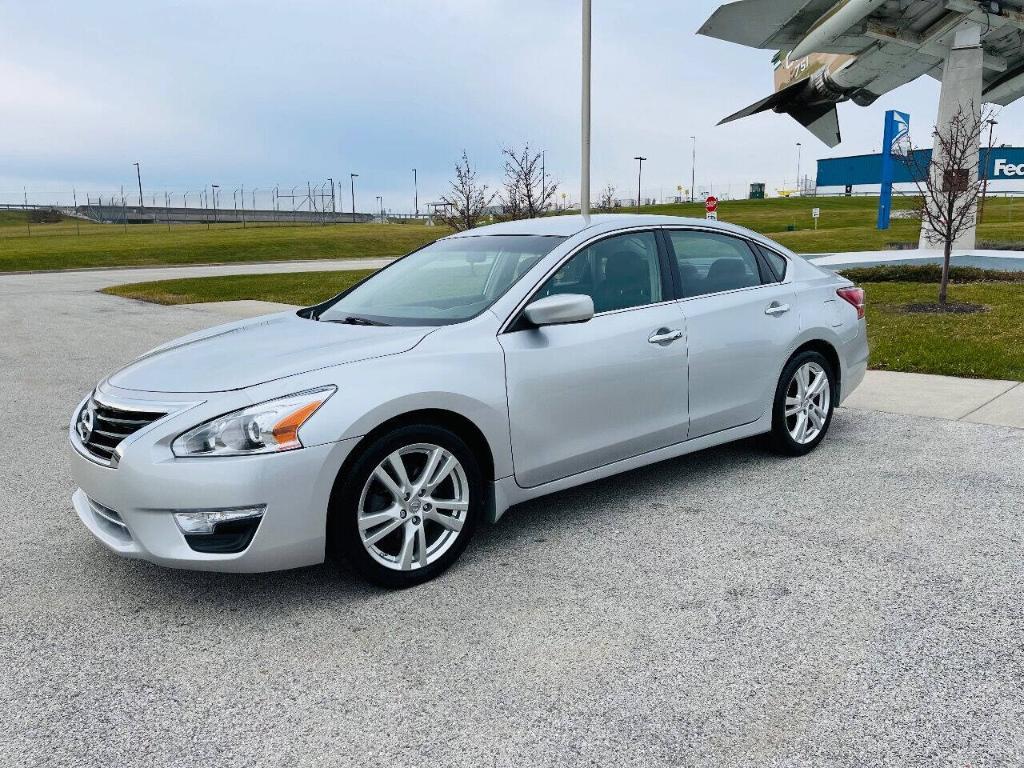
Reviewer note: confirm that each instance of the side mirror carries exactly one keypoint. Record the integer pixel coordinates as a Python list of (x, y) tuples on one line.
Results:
[(560, 309)]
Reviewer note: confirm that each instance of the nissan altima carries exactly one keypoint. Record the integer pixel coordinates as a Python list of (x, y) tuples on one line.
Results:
[(493, 366)]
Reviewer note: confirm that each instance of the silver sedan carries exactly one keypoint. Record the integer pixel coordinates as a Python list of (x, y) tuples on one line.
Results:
[(488, 368)]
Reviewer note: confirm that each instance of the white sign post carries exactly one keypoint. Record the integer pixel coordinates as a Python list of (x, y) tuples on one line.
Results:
[(816, 213)]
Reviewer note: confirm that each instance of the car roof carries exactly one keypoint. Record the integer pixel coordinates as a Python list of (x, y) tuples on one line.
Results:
[(567, 226)]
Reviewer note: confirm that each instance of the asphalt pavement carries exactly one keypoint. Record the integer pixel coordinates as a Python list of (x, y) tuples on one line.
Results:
[(859, 606)]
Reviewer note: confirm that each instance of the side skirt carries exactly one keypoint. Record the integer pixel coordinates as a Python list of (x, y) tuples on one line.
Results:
[(507, 493)]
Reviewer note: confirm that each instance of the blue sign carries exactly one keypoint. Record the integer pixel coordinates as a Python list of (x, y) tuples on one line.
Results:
[(895, 140), (999, 164)]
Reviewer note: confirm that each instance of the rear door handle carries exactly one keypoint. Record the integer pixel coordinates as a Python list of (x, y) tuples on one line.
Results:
[(776, 309), (665, 336)]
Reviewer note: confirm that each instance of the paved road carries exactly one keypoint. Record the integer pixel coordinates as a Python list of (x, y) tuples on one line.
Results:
[(860, 606)]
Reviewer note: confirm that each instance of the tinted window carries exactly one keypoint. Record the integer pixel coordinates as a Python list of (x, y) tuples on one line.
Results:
[(447, 282), (617, 273), (711, 263), (775, 261)]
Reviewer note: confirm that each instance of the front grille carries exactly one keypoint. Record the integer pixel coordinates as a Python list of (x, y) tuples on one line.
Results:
[(112, 425)]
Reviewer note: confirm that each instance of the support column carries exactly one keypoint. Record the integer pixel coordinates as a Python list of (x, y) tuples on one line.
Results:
[(961, 90)]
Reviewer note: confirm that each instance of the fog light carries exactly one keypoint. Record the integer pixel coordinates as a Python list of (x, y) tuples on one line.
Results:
[(200, 521), (219, 531)]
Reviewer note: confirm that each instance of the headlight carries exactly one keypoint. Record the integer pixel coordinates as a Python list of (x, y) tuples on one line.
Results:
[(264, 428)]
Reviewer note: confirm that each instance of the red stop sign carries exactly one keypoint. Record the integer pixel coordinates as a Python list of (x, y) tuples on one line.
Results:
[(711, 204)]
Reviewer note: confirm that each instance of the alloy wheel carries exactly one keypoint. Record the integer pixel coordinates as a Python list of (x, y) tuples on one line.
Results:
[(808, 397), (413, 507)]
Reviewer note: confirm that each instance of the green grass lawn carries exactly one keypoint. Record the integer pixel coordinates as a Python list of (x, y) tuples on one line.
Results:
[(846, 224), (986, 345), (57, 246), (303, 288)]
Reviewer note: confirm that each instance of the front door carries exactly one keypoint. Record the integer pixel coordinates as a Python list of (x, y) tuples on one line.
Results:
[(584, 395)]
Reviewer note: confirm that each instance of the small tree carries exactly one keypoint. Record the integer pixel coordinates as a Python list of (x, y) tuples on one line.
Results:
[(607, 199), (467, 202), (528, 189), (950, 185)]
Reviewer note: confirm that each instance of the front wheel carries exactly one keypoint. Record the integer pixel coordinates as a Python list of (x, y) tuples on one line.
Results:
[(803, 406), (407, 506)]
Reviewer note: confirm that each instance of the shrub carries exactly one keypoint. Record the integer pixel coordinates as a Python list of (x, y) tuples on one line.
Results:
[(928, 273)]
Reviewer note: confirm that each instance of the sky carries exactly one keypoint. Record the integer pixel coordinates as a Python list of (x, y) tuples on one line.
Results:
[(257, 94)]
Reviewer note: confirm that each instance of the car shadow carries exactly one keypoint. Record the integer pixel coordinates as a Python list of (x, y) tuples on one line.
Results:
[(330, 585)]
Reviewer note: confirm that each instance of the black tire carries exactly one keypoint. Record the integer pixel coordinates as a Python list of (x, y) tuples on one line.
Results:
[(779, 439), (343, 537)]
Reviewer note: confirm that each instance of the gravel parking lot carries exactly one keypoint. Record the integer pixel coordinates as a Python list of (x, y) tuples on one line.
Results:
[(860, 606)]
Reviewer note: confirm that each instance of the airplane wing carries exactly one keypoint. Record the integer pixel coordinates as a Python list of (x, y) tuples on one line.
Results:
[(771, 24)]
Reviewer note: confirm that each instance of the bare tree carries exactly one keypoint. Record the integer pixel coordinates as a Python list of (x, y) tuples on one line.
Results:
[(607, 200), (528, 189), (949, 185), (466, 204)]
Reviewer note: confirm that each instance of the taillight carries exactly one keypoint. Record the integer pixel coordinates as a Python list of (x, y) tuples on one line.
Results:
[(855, 297)]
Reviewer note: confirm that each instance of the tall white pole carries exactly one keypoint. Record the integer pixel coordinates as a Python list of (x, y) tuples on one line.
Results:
[(585, 117)]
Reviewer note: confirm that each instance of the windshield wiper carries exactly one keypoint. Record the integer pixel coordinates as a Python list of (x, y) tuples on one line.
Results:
[(355, 320)]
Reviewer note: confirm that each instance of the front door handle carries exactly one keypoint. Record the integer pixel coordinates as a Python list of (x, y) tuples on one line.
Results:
[(665, 336), (776, 309)]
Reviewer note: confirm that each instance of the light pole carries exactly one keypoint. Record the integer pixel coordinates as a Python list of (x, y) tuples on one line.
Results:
[(213, 196), (799, 150), (639, 175), (334, 207), (416, 192), (138, 175), (585, 117), (984, 168), (693, 170), (352, 179), (380, 207)]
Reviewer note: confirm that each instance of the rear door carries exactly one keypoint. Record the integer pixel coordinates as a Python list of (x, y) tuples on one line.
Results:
[(741, 320), (584, 395)]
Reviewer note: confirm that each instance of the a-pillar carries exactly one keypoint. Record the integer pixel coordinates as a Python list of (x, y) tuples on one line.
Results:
[(961, 93)]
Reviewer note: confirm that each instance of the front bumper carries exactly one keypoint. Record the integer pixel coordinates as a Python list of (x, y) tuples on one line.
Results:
[(129, 509)]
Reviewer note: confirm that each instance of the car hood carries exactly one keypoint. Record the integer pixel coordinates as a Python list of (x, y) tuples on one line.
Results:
[(250, 352)]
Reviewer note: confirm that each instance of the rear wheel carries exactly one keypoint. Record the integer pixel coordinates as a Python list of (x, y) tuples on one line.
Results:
[(804, 402), (408, 506)]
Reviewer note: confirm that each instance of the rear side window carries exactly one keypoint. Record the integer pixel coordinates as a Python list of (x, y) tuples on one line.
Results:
[(712, 263), (776, 262)]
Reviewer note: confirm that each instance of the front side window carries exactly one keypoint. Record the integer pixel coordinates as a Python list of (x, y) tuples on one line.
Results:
[(617, 273), (447, 282), (712, 263)]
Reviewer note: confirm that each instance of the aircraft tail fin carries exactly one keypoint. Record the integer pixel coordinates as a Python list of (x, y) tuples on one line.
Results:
[(820, 119)]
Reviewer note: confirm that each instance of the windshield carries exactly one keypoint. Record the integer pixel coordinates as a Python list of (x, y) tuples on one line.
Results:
[(447, 282)]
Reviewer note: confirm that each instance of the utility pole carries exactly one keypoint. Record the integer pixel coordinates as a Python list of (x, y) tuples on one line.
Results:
[(799, 150), (693, 171), (416, 193), (213, 188), (334, 206), (78, 221), (585, 116), (352, 180), (138, 175), (639, 176)]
